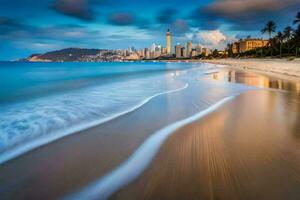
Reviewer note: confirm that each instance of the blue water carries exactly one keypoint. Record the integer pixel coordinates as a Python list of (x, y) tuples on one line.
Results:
[(41, 102)]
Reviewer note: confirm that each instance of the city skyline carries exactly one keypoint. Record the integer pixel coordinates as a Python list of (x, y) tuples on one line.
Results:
[(28, 27)]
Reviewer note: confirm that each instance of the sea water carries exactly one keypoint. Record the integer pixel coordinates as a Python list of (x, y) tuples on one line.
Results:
[(42, 102)]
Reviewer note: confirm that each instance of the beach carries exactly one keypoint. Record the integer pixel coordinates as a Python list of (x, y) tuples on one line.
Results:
[(279, 68), (229, 134)]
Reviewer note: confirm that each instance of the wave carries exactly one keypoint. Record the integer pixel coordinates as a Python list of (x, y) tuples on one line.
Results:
[(35, 143), (51, 78), (129, 170)]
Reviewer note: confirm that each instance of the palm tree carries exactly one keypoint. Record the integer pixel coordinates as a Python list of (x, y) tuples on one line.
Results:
[(297, 32), (269, 28), (279, 39), (229, 49), (288, 33), (297, 20)]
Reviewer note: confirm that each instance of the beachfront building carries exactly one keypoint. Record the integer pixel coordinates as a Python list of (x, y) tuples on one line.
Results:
[(194, 53), (248, 44), (178, 51), (205, 51), (168, 41), (189, 46)]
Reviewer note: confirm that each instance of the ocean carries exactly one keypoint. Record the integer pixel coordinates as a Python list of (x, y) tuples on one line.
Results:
[(41, 102)]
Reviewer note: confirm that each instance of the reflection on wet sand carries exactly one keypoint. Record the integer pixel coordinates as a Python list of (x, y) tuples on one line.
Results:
[(252, 79), (248, 149)]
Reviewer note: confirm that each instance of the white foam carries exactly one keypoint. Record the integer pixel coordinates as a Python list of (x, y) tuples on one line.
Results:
[(35, 143), (138, 161)]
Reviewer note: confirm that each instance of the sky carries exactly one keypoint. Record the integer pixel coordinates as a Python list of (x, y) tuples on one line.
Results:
[(37, 26)]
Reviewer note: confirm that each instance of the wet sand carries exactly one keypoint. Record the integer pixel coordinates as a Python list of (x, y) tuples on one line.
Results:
[(247, 149)]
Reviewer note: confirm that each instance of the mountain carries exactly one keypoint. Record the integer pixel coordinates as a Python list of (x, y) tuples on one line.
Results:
[(69, 54)]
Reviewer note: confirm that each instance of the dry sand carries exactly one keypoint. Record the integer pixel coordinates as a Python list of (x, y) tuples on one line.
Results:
[(279, 68)]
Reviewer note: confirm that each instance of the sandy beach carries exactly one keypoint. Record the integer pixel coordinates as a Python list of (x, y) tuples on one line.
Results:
[(279, 68), (245, 149), (248, 149)]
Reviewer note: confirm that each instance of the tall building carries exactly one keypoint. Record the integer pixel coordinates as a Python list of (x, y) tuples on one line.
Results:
[(189, 47), (152, 47), (168, 41), (178, 51), (199, 49), (183, 51), (147, 53)]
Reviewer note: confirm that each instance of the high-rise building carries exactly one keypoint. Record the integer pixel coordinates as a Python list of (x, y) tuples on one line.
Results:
[(178, 51), (189, 46), (141, 53), (199, 49), (168, 41), (147, 53), (183, 51), (153, 47)]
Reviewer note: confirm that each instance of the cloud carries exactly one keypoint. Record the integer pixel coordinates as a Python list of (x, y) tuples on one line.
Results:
[(166, 16), (13, 29), (80, 9), (121, 19), (179, 27), (211, 37), (242, 7), (244, 14)]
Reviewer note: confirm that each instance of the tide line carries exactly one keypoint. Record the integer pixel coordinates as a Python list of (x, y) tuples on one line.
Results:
[(22, 149), (128, 171)]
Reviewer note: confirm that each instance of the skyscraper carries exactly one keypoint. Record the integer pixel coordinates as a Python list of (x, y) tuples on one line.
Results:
[(199, 49), (168, 41), (178, 51), (189, 47), (152, 47), (183, 51)]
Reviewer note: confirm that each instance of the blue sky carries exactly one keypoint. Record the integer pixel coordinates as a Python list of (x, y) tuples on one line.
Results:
[(37, 26)]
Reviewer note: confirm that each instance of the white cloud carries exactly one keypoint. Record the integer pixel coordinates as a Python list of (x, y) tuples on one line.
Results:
[(213, 37)]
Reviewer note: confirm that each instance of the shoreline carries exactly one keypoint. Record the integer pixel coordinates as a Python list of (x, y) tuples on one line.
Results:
[(281, 68)]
